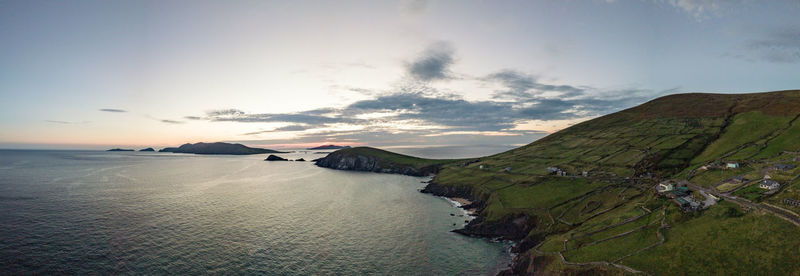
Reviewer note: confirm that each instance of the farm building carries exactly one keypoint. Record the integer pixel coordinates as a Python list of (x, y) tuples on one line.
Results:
[(681, 191), (769, 184), (665, 187), (732, 165)]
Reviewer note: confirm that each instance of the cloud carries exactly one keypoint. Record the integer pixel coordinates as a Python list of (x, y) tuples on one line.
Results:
[(437, 112), (59, 122), (66, 122), (522, 86), (314, 117), (698, 8), (414, 6), (292, 128), (433, 64), (112, 110), (779, 45), (450, 111), (171, 121), (414, 112), (382, 138), (289, 128), (195, 118)]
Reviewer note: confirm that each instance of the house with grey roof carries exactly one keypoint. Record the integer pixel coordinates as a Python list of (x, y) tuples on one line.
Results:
[(769, 184)]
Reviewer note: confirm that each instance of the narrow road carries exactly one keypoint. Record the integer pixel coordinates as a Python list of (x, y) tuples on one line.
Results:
[(748, 204)]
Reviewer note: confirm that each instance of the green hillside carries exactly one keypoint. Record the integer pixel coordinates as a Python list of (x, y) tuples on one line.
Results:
[(612, 216), (604, 216)]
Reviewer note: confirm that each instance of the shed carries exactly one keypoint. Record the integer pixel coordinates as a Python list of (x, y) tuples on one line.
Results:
[(681, 191), (732, 165)]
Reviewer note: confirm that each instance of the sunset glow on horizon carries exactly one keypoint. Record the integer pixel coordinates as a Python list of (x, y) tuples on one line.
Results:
[(293, 74)]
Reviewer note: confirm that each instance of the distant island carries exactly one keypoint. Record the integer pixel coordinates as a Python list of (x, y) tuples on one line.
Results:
[(218, 148), (329, 147), (119, 149), (147, 149)]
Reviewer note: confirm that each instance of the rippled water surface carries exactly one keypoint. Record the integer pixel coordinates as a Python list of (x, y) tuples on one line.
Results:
[(125, 212)]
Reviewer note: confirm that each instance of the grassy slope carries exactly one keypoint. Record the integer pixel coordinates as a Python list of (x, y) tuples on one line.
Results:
[(668, 136), (754, 244)]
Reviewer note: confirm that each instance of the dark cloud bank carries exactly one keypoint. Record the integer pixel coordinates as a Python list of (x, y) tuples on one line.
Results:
[(440, 117)]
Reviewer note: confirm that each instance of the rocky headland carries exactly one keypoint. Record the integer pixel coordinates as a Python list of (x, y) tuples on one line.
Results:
[(375, 160)]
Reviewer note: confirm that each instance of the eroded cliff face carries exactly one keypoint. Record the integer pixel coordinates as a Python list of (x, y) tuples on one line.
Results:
[(371, 164)]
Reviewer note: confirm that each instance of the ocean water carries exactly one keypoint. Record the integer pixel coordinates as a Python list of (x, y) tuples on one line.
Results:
[(446, 152), (92, 212)]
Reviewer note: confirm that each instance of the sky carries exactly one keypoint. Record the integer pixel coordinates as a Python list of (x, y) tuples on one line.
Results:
[(283, 74)]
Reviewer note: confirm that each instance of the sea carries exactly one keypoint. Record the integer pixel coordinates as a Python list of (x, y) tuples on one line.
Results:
[(97, 212)]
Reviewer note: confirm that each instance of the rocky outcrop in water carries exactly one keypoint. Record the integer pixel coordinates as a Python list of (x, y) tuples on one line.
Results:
[(147, 149), (273, 157), (118, 149)]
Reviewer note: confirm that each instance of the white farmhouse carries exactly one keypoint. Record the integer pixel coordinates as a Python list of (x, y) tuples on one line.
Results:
[(665, 187)]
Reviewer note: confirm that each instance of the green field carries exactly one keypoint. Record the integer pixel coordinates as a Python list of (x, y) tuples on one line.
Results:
[(715, 244), (746, 128)]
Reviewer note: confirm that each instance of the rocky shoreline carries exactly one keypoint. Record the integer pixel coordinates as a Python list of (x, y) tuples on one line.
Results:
[(514, 228), (511, 228)]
